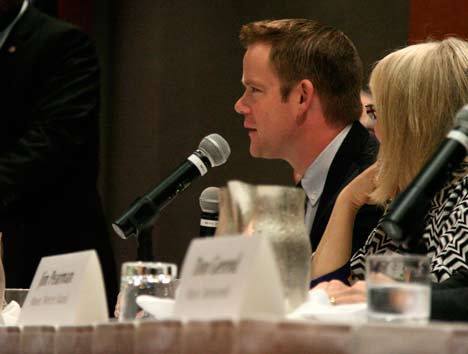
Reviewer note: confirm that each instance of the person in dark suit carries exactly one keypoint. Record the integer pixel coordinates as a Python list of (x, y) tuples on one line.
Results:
[(302, 104), (49, 144), (356, 153)]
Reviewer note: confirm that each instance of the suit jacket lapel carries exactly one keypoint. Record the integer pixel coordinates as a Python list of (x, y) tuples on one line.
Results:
[(22, 30), (344, 168)]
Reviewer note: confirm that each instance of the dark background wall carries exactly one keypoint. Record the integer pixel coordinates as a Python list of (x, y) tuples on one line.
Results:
[(171, 75), (176, 69)]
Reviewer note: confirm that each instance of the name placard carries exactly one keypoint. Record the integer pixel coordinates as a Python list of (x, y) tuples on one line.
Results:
[(67, 289), (230, 277)]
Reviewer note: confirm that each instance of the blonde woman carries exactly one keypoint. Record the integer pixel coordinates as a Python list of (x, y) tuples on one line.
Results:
[(417, 92)]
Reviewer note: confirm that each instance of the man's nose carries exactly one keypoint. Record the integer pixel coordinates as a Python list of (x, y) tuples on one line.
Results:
[(240, 107)]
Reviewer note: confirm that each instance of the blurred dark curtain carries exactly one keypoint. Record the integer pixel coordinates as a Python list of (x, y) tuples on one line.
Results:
[(50, 7)]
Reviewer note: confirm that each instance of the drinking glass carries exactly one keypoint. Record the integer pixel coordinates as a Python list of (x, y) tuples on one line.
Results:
[(398, 288), (144, 278), (18, 295)]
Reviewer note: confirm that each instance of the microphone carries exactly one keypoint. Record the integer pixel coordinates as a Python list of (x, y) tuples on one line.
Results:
[(209, 204), (212, 151), (406, 212)]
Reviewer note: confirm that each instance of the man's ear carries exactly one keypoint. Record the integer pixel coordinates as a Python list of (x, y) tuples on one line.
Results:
[(305, 92)]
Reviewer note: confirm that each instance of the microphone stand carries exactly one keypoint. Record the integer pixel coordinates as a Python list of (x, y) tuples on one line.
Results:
[(144, 240), (143, 232)]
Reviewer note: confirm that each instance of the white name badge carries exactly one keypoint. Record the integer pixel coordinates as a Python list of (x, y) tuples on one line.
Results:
[(66, 290), (230, 277)]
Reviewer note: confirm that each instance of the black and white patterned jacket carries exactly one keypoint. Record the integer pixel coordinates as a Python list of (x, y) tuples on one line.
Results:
[(445, 234)]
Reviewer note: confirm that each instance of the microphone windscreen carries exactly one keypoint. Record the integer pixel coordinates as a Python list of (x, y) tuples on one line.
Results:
[(216, 149), (461, 118), (209, 200)]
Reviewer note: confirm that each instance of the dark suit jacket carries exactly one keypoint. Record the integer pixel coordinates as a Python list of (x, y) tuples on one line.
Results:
[(356, 153), (49, 135)]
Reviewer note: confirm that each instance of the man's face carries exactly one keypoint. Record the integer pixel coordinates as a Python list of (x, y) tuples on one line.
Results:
[(269, 120)]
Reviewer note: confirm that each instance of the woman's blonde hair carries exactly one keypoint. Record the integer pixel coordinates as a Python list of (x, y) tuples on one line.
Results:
[(417, 92)]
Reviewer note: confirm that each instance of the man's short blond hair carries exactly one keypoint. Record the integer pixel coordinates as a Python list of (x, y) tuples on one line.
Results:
[(306, 49)]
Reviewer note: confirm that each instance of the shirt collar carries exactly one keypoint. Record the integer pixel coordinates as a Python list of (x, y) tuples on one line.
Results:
[(315, 176), (4, 34)]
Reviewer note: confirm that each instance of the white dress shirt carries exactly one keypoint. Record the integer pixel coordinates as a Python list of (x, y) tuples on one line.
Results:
[(315, 176)]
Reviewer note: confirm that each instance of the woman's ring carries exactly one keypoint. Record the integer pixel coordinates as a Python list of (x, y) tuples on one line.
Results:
[(332, 300)]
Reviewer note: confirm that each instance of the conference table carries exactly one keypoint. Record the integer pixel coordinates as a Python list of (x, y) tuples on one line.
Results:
[(229, 337)]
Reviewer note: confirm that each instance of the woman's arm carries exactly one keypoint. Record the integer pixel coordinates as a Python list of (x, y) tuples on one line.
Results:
[(334, 249)]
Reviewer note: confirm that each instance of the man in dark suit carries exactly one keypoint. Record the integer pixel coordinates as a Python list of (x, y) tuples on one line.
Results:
[(49, 137), (301, 104), (356, 153)]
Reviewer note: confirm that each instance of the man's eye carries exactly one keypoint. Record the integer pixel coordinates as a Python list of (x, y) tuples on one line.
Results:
[(254, 89)]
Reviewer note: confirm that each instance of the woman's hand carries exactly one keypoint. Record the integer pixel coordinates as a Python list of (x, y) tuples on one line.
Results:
[(335, 247), (340, 293), (357, 192), (118, 305)]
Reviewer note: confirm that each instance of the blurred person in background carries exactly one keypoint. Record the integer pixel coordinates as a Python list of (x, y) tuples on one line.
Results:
[(367, 118), (49, 144)]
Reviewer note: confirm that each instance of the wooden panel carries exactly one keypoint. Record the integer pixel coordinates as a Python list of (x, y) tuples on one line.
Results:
[(78, 12), (437, 19)]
